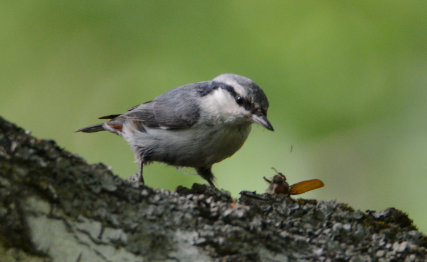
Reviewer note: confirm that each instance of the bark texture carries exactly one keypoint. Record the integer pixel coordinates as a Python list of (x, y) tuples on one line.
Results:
[(54, 206)]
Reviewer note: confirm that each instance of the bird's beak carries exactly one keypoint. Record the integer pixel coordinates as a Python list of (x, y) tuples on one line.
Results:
[(262, 120)]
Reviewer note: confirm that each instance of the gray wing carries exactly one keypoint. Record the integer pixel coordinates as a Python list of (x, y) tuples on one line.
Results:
[(175, 109)]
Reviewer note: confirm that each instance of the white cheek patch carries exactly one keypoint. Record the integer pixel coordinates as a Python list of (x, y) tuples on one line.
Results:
[(223, 98), (222, 102), (222, 105)]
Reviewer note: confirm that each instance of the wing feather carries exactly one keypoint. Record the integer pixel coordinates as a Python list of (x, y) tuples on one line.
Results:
[(175, 109)]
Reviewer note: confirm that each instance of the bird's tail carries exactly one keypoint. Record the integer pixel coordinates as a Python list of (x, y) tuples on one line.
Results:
[(91, 129)]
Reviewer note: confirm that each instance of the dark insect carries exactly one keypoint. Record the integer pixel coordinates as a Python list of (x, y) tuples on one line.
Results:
[(279, 185)]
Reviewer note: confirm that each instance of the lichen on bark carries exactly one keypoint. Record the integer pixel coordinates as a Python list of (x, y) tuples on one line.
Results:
[(54, 206)]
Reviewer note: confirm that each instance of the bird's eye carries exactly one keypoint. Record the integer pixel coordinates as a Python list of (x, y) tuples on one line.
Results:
[(239, 100)]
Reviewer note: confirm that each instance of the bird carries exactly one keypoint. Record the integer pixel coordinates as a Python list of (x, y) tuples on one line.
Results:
[(195, 125)]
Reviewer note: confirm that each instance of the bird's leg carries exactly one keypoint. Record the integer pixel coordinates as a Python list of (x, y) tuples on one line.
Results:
[(206, 173), (137, 178), (140, 177)]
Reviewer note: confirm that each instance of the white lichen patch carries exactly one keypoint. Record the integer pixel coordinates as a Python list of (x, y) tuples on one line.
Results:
[(61, 245), (186, 251)]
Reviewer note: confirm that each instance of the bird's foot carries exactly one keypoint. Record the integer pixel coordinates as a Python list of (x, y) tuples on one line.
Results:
[(135, 180)]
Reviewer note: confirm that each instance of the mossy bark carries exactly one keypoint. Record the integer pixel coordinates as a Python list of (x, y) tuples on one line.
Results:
[(54, 206)]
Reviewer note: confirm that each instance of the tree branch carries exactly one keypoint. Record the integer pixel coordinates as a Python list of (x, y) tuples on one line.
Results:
[(54, 206)]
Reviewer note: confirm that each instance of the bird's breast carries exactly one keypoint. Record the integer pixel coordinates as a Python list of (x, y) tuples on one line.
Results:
[(197, 146), (224, 142)]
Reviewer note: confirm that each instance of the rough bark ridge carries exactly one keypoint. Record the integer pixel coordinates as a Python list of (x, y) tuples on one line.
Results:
[(56, 207)]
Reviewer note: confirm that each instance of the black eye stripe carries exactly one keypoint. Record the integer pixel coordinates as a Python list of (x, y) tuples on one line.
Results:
[(239, 99), (205, 88), (244, 103), (230, 89)]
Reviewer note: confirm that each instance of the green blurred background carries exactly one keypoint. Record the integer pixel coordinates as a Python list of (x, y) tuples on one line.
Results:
[(346, 82)]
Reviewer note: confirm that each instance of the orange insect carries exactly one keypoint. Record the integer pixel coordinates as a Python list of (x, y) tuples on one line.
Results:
[(279, 185)]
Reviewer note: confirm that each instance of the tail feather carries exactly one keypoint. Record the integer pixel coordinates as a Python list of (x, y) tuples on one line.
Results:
[(109, 116), (91, 129)]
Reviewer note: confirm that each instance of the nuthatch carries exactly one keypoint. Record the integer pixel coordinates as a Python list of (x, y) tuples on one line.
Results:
[(196, 125)]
